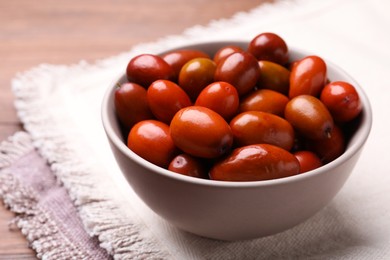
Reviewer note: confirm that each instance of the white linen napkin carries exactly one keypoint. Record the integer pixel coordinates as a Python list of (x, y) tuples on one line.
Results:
[(59, 106)]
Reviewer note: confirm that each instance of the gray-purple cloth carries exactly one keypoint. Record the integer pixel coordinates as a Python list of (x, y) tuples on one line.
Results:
[(44, 211)]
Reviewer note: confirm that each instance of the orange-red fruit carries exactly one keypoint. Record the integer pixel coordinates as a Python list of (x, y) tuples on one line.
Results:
[(307, 160), (269, 46), (342, 100), (188, 165), (151, 140), (226, 51), (146, 68), (309, 116), (131, 104), (255, 127), (201, 132), (274, 76), (265, 100), (308, 77), (195, 75), (255, 163), (329, 149), (165, 99), (177, 59), (220, 97), (240, 69)]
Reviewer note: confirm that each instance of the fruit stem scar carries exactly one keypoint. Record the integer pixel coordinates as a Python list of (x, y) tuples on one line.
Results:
[(328, 131)]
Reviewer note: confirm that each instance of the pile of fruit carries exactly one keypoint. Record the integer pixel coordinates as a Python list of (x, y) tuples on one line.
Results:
[(237, 115)]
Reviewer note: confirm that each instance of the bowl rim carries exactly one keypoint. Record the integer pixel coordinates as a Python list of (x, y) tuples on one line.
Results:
[(360, 136)]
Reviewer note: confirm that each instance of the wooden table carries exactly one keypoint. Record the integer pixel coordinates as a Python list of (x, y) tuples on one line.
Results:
[(66, 31)]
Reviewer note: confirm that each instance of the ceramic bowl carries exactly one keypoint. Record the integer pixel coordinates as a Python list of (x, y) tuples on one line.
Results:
[(236, 210)]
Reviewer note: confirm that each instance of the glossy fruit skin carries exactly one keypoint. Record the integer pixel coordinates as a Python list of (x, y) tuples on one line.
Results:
[(255, 127), (177, 59), (309, 116), (274, 76), (330, 148), (165, 98), (265, 100), (188, 165), (240, 69), (220, 97), (195, 75), (255, 163), (270, 47), (151, 140), (342, 100), (201, 132), (225, 51), (131, 104), (146, 68), (308, 77), (307, 160)]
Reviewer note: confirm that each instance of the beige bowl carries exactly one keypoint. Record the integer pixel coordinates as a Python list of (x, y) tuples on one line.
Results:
[(236, 210)]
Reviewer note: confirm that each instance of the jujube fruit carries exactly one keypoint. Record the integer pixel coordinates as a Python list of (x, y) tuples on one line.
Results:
[(201, 132), (177, 59), (308, 77), (165, 98), (146, 68), (254, 127), (240, 69), (269, 46), (131, 104), (220, 97), (309, 116), (342, 100), (189, 165), (265, 100), (274, 76), (151, 140), (307, 160), (255, 163), (226, 51), (195, 75), (330, 148)]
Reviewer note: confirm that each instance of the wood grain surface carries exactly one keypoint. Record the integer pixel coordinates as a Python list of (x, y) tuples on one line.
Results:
[(66, 31)]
